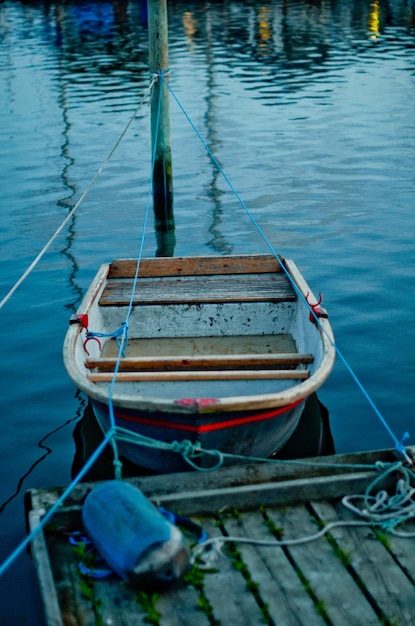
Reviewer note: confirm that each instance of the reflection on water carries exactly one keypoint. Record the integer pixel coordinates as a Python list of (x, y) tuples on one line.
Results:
[(308, 106)]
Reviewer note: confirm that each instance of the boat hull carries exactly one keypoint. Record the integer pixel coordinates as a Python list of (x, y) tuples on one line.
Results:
[(237, 433)]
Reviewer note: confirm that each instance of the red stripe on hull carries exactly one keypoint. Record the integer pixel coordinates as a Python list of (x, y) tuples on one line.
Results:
[(206, 428)]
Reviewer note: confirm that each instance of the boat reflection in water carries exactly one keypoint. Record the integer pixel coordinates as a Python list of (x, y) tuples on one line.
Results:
[(312, 437)]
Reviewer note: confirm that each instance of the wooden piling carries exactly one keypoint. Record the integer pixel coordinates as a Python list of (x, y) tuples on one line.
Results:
[(160, 127)]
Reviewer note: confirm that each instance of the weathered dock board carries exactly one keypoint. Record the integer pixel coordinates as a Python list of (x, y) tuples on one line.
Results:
[(351, 575)]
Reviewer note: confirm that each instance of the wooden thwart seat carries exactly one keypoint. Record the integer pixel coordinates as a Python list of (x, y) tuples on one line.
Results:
[(97, 377), (195, 266), (217, 361), (207, 367), (207, 280), (209, 289)]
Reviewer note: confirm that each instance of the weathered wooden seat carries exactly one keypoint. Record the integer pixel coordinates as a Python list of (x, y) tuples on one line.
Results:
[(212, 367), (188, 375), (204, 362), (244, 279)]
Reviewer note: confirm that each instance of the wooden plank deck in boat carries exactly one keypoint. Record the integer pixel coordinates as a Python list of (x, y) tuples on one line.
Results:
[(350, 576), (248, 278)]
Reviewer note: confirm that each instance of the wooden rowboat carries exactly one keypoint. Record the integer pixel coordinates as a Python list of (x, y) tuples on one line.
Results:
[(222, 352)]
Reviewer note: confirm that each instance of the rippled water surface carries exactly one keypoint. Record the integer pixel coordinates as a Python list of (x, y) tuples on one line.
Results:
[(308, 106)]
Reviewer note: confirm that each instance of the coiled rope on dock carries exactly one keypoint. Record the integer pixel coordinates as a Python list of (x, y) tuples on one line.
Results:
[(379, 510)]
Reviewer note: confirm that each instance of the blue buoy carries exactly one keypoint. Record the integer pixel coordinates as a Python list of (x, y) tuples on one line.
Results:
[(132, 536)]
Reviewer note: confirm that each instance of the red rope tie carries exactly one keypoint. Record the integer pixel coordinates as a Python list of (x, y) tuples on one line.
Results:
[(316, 309)]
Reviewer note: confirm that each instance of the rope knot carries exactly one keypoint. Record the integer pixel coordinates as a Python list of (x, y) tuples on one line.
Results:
[(186, 448), (390, 524), (190, 451), (117, 469)]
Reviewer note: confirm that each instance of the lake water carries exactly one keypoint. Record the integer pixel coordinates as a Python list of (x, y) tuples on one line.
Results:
[(309, 107)]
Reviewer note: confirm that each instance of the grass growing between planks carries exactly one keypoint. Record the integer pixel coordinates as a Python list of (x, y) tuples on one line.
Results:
[(196, 578), (87, 583), (147, 602), (346, 559), (239, 565), (278, 533)]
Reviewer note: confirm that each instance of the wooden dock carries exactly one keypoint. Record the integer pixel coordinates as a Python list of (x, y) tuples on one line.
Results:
[(352, 575)]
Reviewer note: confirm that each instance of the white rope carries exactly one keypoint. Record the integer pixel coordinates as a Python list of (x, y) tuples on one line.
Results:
[(77, 205), (383, 510), (210, 549)]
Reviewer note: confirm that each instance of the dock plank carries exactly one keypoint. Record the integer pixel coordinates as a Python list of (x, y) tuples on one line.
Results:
[(75, 607), (280, 588), (403, 551), (179, 607), (118, 604), (226, 590), (249, 475), (387, 586), (335, 591)]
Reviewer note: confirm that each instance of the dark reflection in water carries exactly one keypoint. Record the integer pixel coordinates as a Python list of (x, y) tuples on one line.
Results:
[(277, 46), (106, 41)]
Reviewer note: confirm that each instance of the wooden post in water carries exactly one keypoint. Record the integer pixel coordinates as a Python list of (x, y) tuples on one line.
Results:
[(160, 128)]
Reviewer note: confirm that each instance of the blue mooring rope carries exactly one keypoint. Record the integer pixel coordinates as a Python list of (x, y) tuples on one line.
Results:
[(398, 443)]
